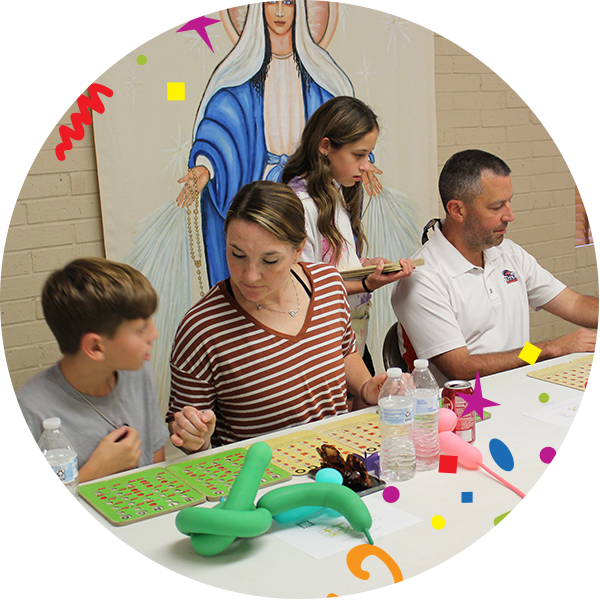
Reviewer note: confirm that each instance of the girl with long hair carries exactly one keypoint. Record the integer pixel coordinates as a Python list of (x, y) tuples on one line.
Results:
[(326, 173)]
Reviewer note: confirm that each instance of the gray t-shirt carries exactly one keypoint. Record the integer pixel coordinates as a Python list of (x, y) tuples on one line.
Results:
[(133, 401)]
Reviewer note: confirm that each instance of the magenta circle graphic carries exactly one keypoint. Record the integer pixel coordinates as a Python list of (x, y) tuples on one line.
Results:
[(547, 454), (391, 494)]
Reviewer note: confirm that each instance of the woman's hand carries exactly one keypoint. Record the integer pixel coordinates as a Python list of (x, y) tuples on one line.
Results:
[(379, 279), (188, 193), (372, 185), (369, 392), (191, 429)]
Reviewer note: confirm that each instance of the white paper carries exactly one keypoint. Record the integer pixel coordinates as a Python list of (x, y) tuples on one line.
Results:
[(558, 413), (323, 535)]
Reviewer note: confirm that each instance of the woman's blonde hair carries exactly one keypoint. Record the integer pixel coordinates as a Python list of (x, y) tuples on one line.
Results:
[(342, 120), (273, 206)]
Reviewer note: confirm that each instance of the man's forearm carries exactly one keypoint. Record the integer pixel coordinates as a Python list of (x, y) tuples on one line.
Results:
[(462, 365)]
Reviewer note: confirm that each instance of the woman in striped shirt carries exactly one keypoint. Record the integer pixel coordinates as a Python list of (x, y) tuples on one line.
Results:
[(272, 346)]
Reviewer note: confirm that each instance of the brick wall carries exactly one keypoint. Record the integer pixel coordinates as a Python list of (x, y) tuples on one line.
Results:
[(476, 109), (56, 219), (57, 216)]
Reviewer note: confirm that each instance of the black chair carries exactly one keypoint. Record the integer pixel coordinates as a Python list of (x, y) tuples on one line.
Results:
[(391, 350)]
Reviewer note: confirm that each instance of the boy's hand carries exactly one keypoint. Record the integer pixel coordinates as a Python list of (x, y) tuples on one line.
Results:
[(112, 456), (191, 429)]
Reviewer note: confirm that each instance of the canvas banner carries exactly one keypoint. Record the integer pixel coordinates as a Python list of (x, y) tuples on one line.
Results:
[(173, 84)]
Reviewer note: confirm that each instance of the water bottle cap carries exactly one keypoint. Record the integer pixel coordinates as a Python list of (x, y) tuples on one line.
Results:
[(51, 423), (394, 372), (421, 363)]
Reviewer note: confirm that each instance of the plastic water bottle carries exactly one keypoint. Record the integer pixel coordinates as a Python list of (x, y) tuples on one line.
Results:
[(57, 481), (427, 405), (396, 413)]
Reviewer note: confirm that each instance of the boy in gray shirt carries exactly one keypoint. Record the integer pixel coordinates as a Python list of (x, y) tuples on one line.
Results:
[(102, 389)]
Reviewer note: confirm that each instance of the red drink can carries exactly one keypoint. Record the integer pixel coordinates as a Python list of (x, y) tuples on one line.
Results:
[(465, 426)]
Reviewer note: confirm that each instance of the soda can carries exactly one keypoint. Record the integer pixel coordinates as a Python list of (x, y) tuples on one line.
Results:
[(465, 426)]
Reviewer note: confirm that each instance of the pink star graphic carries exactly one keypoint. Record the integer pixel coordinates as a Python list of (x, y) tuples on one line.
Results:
[(475, 401), (200, 24)]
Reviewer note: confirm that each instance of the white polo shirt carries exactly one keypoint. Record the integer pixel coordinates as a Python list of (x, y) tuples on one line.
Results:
[(449, 303)]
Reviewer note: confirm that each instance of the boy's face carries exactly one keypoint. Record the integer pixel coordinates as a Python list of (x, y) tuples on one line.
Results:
[(131, 345)]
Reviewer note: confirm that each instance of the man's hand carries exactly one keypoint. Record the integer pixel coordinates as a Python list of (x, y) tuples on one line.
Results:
[(580, 340)]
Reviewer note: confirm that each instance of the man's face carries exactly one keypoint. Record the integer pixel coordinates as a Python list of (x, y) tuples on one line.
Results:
[(488, 215)]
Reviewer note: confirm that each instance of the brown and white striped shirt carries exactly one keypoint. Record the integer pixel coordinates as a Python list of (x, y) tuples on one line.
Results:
[(258, 380)]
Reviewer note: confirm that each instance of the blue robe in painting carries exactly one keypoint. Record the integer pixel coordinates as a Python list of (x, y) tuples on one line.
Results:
[(232, 136)]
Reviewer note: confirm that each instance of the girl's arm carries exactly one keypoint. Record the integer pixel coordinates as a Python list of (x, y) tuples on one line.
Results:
[(378, 279)]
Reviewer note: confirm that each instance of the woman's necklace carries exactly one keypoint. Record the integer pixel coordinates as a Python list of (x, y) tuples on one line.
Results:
[(292, 312)]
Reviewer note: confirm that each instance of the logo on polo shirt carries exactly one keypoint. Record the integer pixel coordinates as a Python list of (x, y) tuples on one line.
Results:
[(509, 276)]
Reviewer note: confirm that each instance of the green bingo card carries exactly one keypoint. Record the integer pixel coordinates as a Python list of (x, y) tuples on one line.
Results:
[(145, 494), (139, 495), (214, 475)]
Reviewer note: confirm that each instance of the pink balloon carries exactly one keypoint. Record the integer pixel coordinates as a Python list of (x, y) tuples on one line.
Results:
[(447, 420), (468, 456)]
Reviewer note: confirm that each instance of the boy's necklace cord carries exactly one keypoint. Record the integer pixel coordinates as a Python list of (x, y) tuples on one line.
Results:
[(111, 398)]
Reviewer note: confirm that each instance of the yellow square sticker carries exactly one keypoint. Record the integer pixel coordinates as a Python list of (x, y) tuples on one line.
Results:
[(530, 353), (176, 90)]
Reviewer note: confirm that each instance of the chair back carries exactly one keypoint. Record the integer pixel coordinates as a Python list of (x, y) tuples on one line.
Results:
[(391, 350)]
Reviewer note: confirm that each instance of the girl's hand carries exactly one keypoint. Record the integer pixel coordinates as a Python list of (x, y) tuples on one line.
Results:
[(186, 196), (372, 185), (379, 279)]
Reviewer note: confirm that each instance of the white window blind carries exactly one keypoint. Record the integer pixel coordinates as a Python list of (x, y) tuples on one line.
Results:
[(587, 121)]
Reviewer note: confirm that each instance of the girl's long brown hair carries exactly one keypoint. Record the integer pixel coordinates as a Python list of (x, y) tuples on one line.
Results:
[(343, 120)]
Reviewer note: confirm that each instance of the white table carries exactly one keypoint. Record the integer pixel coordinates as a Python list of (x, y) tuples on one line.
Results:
[(470, 558)]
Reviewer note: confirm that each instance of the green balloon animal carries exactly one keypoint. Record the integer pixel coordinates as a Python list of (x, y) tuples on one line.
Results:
[(213, 530)]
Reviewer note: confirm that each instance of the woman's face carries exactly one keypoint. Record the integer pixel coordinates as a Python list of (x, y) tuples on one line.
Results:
[(349, 162), (280, 16), (259, 263)]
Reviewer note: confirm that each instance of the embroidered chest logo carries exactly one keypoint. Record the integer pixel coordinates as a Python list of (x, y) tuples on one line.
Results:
[(509, 276)]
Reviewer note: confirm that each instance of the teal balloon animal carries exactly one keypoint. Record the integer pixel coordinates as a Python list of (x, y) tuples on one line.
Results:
[(545, 546), (322, 494)]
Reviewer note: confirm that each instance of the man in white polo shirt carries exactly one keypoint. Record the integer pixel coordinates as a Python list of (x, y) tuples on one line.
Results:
[(467, 308)]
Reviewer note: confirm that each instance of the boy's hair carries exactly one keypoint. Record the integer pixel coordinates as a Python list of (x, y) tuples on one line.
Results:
[(94, 295), (460, 178), (342, 120)]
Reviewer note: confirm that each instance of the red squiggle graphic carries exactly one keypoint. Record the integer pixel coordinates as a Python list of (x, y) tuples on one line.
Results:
[(83, 117)]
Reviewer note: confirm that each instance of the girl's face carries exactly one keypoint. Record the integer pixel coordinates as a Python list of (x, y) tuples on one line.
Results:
[(279, 15), (259, 263), (349, 162)]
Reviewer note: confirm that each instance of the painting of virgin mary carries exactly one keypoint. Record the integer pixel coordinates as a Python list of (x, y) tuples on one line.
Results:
[(253, 111)]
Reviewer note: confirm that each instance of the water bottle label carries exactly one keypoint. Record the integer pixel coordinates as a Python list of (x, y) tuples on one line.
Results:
[(427, 405), (397, 416), (53, 474)]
